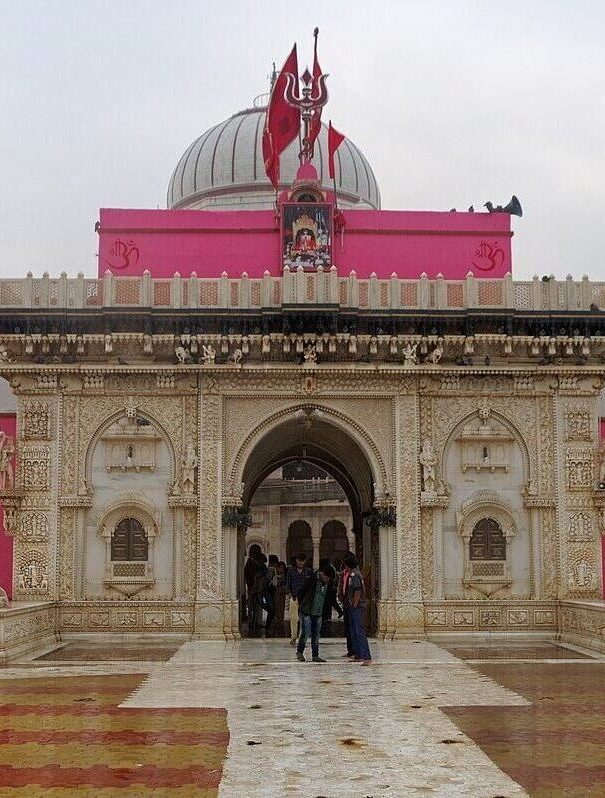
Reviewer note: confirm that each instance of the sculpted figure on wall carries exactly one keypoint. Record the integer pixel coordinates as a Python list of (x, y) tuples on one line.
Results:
[(189, 466), (7, 450), (182, 355), (32, 576), (310, 354), (437, 353), (3, 599), (5, 355), (409, 354), (581, 576), (427, 461), (208, 353)]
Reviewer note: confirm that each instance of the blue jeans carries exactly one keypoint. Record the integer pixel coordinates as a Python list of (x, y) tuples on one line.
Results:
[(358, 635), (310, 626), (347, 621)]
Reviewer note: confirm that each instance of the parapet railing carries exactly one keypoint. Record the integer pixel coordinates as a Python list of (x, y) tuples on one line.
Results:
[(300, 288)]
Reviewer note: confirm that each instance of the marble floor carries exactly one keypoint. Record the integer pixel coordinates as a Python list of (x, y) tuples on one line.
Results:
[(245, 719)]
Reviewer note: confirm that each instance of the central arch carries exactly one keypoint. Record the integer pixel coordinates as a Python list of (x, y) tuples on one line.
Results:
[(314, 435)]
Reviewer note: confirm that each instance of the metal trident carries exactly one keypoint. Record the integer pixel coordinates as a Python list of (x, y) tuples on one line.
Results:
[(312, 98)]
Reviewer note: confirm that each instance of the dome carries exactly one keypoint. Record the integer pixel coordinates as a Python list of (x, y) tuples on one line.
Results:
[(223, 169)]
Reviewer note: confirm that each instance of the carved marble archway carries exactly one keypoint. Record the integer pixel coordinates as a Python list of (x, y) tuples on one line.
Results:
[(323, 436), (304, 414)]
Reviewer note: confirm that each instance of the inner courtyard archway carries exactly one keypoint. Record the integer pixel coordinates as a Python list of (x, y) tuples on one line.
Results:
[(309, 436)]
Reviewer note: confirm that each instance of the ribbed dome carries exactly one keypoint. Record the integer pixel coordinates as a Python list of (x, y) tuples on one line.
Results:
[(223, 169)]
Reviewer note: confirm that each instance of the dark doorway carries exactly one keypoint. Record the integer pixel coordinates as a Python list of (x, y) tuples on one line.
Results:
[(299, 541), (321, 462), (334, 543)]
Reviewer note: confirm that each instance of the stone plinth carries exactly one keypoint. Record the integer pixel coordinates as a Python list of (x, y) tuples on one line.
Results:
[(26, 626), (582, 623)]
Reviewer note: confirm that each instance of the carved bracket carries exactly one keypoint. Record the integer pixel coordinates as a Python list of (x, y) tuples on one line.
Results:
[(434, 500), (381, 516), (239, 517)]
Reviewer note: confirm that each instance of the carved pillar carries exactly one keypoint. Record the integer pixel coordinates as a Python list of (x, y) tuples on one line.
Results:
[(230, 550), (214, 610), (578, 525), (235, 521), (386, 620), (431, 526), (407, 573), (316, 524), (36, 538), (381, 524)]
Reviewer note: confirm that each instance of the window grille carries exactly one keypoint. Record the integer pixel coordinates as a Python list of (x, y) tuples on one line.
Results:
[(487, 541), (129, 542)]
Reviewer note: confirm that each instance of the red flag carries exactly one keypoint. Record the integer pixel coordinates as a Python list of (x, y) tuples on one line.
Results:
[(315, 126), (282, 121), (335, 139)]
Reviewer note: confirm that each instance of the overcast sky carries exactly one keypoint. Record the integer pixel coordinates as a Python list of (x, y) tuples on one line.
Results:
[(453, 103)]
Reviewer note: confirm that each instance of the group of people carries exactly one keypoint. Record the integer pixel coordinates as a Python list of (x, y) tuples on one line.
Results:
[(312, 596)]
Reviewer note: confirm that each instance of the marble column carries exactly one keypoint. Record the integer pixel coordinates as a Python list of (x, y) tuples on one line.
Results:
[(316, 525)]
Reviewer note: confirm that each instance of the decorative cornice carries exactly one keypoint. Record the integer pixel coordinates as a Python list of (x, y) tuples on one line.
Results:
[(75, 501)]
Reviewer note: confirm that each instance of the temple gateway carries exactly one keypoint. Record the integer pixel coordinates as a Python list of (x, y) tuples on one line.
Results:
[(291, 365)]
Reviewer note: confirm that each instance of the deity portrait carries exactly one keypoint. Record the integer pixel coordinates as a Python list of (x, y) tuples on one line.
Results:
[(307, 235)]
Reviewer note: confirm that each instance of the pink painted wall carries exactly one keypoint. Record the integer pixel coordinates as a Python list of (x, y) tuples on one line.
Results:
[(8, 423), (210, 242)]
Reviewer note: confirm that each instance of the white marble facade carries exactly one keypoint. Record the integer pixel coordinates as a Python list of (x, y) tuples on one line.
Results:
[(95, 450), (137, 489)]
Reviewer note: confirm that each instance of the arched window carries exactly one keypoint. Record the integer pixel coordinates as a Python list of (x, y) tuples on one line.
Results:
[(487, 541), (129, 542)]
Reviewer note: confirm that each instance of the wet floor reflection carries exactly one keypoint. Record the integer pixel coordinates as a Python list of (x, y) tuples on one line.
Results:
[(543, 651), (87, 652)]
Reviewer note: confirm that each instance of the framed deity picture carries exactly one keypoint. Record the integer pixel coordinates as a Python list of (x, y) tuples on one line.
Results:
[(306, 235)]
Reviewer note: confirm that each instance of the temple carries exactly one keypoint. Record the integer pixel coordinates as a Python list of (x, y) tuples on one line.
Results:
[(292, 365)]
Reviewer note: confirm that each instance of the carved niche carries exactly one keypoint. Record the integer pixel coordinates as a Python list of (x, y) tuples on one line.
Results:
[(578, 423), (130, 445), (33, 527), (580, 527), (485, 444), (582, 570), (579, 467)]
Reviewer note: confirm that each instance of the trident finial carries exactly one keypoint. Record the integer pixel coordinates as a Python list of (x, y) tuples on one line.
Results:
[(310, 101)]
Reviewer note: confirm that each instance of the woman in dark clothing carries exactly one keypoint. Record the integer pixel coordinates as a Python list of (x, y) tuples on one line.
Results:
[(250, 572), (269, 597), (330, 602), (280, 597)]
